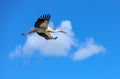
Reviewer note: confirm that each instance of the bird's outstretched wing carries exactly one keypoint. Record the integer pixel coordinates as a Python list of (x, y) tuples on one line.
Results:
[(41, 21)]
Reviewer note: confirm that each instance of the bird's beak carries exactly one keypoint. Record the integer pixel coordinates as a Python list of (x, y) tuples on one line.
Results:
[(63, 31)]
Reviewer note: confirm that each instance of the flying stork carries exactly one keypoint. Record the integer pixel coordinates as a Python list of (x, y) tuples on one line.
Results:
[(41, 28)]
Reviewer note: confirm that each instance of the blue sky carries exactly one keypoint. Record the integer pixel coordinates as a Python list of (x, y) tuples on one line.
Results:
[(95, 21)]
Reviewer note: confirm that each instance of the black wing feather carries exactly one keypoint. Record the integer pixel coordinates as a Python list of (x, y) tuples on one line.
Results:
[(40, 20)]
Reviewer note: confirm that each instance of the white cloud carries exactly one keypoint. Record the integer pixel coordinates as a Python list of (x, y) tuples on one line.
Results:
[(16, 53), (88, 49), (60, 47)]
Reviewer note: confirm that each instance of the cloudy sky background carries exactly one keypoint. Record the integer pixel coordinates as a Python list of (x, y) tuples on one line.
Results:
[(59, 47), (89, 50)]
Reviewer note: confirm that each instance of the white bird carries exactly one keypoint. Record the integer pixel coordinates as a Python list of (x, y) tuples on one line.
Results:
[(42, 28)]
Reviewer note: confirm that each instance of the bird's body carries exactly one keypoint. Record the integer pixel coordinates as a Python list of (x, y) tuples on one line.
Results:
[(42, 28), (44, 33)]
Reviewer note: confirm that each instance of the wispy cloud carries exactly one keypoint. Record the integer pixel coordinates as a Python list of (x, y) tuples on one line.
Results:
[(59, 47), (88, 49), (16, 53)]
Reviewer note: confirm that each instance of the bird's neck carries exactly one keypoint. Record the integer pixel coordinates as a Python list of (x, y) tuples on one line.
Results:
[(57, 30)]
